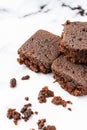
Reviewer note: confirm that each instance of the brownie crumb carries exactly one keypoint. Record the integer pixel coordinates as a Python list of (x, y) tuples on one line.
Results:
[(69, 109), (42, 126), (41, 123), (49, 127), (57, 100), (13, 83), (36, 112), (19, 61), (27, 114), (26, 111), (69, 102), (44, 93), (26, 98), (13, 114), (25, 77), (25, 107)]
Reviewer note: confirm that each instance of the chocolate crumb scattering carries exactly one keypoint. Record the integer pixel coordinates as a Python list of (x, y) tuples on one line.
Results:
[(13, 114), (25, 77), (41, 123), (26, 111), (57, 100), (13, 83), (44, 93), (69, 109), (26, 98)]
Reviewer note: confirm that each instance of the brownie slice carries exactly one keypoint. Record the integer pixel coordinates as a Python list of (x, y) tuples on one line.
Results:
[(39, 51), (72, 77), (74, 41)]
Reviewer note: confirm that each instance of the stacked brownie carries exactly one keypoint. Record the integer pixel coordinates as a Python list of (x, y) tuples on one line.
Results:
[(66, 56), (39, 51), (70, 69)]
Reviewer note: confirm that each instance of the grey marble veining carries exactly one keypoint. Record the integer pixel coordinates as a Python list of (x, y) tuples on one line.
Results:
[(25, 8), (23, 17)]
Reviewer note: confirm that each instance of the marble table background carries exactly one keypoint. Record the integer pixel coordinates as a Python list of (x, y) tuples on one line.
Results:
[(19, 19)]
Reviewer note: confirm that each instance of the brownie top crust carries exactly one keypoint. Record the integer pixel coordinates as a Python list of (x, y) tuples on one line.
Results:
[(75, 35), (77, 72), (42, 47)]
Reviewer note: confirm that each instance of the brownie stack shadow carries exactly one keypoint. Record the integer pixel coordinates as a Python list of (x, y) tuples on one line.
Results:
[(70, 69)]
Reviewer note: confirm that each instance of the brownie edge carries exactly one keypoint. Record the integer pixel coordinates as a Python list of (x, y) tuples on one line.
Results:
[(39, 51), (74, 41), (71, 77)]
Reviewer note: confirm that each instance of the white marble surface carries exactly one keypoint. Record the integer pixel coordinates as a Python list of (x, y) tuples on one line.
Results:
[(19, 19)]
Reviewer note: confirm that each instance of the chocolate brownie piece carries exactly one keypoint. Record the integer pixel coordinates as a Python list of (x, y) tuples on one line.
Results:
[(74, 41), (39, 51), (72, 77)]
